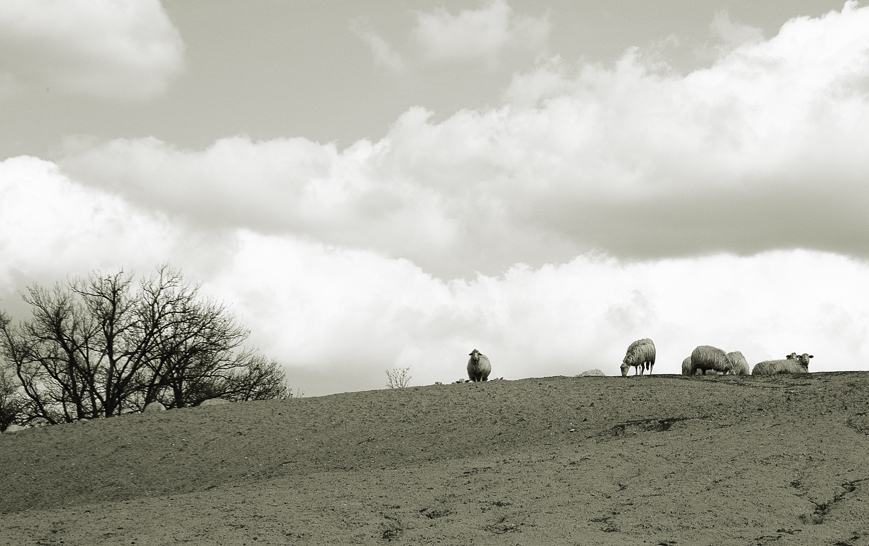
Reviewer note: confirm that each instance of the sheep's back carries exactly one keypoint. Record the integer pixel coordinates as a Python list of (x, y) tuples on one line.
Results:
[(707, 357), (738, 362)]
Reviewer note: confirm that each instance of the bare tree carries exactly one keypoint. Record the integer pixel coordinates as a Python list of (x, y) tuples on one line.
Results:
[(51, 355), (198, 342), (99, 346)]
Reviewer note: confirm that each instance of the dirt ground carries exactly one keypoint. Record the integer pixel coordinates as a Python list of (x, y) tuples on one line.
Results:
[(661, 460)]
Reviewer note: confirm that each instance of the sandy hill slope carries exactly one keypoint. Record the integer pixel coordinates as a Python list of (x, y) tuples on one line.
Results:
[(658, 460)]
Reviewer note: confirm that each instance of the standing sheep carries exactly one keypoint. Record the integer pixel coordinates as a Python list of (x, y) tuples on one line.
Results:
[(706, 357), (738, 363), (799, 364), (479, 366), (641, 355)]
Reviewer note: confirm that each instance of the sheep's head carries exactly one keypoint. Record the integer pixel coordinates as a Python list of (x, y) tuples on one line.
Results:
[(793, 356), (475, 354), (804, 359), (624, 367)]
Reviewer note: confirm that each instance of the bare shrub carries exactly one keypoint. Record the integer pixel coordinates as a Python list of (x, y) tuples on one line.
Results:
[(398, 378)]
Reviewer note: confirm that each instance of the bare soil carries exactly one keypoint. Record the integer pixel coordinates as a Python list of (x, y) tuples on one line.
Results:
[(661, 460)]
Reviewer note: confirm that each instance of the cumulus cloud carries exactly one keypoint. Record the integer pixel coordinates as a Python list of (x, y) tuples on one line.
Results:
[(481, 34), (341, 317), (280, 186), (763, 150), (51, 227), (117, 49), (338, 317), (383, 51)]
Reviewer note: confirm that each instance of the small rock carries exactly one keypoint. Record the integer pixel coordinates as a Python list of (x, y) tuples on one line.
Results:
[(213, 402), (14, 428), (154, 407)]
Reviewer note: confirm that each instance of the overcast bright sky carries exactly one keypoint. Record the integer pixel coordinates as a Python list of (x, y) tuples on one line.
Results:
[(377, 185)]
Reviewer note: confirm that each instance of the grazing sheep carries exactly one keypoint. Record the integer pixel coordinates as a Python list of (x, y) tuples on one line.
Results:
[(738, 363), (799, 364), (686, 366), (641, 355), (479, 366), (706, 357)]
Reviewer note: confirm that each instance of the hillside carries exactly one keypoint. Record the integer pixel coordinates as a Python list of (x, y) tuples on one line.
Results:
[(560, 460)]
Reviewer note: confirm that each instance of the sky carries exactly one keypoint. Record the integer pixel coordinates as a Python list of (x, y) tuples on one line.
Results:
[(371, 186)]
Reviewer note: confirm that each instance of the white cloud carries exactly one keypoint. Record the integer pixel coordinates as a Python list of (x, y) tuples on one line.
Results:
[(51, 227), (732, 35), (350, 315), (765, 149), (125, 49), (284, 185), (338, 317), (46, 220), (384, 54), (484, 33)]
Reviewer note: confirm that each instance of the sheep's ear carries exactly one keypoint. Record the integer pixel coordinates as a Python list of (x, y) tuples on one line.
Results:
[(811, 356)]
